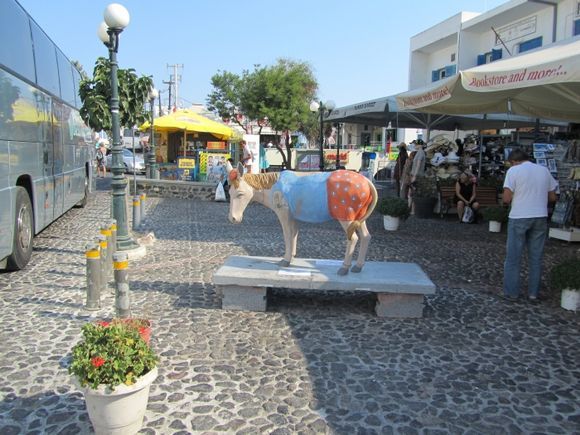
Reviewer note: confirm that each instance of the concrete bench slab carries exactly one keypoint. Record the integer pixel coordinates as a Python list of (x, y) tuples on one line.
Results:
[(244, 280)]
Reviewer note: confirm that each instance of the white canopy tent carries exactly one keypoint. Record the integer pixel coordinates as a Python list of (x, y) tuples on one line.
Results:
[(541, 84), (385, 110)]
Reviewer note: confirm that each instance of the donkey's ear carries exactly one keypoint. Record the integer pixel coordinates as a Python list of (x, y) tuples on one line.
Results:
[(240, 168)]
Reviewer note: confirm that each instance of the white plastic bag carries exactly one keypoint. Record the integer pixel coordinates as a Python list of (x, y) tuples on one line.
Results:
[(468, 215), (220, 194)]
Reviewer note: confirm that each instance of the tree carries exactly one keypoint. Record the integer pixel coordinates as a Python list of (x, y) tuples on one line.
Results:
[(281, 93), (95, 95), (225, 98)]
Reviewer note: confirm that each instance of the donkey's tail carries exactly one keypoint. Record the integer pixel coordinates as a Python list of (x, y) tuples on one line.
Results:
[(355, 225)]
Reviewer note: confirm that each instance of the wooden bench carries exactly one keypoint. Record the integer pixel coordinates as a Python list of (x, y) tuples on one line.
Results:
[(486, 197), (243, 282)]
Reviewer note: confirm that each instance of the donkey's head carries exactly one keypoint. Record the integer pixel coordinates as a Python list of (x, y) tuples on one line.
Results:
[(241, 193)]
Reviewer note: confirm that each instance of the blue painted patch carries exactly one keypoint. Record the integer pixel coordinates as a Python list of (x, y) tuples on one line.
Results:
[(306, 195)]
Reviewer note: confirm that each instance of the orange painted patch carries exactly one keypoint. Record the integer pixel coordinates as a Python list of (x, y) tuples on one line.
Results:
[(349, 195)]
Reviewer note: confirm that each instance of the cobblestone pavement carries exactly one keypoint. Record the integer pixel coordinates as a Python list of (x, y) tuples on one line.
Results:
[(313, 363)]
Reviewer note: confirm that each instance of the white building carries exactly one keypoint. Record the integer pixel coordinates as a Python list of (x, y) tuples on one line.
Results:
[(469, 39)]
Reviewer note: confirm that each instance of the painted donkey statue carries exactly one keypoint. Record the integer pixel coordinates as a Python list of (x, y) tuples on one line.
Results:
[(345, 196)]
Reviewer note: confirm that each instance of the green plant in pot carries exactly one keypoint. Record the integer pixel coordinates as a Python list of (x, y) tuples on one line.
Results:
[(497, 214), (114, 368), (395, 207), (425, 195), (393, 210), (565, 277)]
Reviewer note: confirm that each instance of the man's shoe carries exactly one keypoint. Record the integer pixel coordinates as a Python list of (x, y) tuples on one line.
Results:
[(534, 299), (510, 298)]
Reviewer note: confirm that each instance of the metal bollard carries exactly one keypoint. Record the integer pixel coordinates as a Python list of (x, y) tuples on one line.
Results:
[(136, 213), (93, 256), (122, 297), (113, 227), (106, 231), (103, 278), (143, 197)]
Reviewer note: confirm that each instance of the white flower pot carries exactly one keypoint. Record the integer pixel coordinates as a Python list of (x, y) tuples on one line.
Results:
[(494, 226), (570, 299), (391, 223), (119, 412)]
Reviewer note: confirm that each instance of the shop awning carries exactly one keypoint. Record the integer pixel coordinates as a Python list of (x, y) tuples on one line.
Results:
[(190, 122), (541, 84), (384, 111)]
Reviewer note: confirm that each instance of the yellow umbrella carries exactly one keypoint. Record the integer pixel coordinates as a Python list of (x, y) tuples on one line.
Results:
[(189, 121)]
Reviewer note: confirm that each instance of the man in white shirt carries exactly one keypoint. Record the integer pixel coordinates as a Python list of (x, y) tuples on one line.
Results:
[(528, 187)]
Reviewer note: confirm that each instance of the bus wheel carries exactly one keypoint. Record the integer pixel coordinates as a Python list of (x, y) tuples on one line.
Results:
[(23, 231)]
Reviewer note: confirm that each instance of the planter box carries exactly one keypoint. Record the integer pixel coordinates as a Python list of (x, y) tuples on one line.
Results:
[(569, 235)]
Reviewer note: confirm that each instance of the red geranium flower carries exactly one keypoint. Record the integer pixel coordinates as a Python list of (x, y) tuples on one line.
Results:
[(97, 361), (103, 323)]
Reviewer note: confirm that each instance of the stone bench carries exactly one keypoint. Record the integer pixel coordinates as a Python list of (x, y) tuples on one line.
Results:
[(400, 287)]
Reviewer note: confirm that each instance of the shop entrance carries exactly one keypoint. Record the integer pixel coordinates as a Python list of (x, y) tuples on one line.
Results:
[(174, 146)]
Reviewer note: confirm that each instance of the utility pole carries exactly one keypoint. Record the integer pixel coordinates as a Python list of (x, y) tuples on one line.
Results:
[(170, 84), (175, 79)]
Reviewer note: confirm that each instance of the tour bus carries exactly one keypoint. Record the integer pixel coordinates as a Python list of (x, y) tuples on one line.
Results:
[(46, 150)]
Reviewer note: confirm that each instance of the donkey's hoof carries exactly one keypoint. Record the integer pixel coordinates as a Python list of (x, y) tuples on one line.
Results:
[(356, 269), (342, 271), (283, 263)]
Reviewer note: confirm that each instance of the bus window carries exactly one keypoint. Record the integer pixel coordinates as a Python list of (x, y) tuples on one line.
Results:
[(16, 49), (45, 55), (67, 88)]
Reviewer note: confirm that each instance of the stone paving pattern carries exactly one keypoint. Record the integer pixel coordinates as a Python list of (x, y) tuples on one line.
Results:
[(313, 363)]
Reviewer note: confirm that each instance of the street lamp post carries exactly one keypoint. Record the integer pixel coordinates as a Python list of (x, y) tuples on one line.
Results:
[(338, 125), (320, 107), (153, 171), (116, 19)]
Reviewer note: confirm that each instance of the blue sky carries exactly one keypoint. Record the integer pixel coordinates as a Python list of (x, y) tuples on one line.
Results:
[(357, 50)]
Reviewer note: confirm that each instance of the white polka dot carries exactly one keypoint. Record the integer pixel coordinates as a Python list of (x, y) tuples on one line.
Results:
[(363, 194), (345, 189), (342, 201)]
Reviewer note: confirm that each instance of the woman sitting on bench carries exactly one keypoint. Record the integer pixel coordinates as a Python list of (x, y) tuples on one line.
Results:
[(465, 194)]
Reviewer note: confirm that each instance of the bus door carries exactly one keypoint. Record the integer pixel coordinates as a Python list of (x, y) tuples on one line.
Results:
[(58, 124), (43, 197)]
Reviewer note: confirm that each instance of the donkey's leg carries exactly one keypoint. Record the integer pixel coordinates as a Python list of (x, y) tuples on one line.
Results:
[(365, 239), (294, 237), (287, 229), (350, 245)]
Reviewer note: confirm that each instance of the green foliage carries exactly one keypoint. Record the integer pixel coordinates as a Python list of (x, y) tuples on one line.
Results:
[(566, 275), (425, 187), (281, 93), (393, 206), (496, 182), (498, 213), (95, 95), (225, 97), (111, 354)]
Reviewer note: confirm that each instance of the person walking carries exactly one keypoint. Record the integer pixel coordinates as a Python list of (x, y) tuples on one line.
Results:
[(101, 155), (529, 188)]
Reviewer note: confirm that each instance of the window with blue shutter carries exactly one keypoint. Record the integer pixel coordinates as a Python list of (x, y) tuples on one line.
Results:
[(450, 70), (531, 44), (481, 59), (434, 75), (496, 54), (576, 27)]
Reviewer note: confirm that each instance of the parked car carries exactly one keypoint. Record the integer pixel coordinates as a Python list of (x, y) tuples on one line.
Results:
[(139, 167)]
